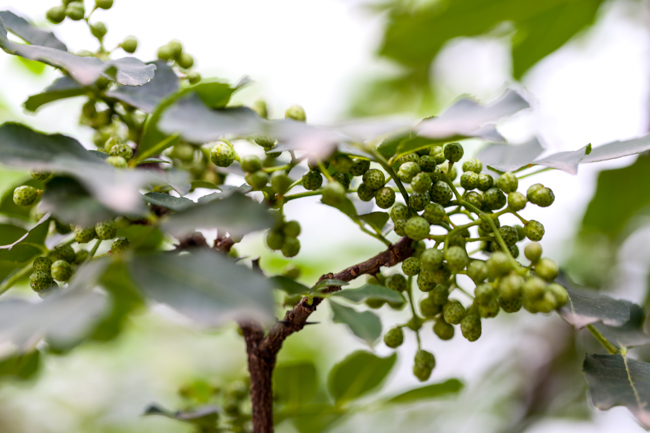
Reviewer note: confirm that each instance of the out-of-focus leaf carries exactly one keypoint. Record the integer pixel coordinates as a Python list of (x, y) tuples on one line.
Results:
[(631, 333), (148, 96), (344, 204), (213, 93), (142, 237), (10, 233), (205, 286), (236, 214), (370, 291), (11, 209), (506, 157), (618, 381), (588, 306), (205, 416), (376, 220), (611, 194), (168, 201), (295, 383), (315, 418), (428, 392), (26, 248), (64, 318), (36, 68), (70, 202), (358, 374), (21, 367), (565, 161), (541, 28), (62, 88), (288, 285), (365, 325), (26, 31), (84, 70), (618, 149)]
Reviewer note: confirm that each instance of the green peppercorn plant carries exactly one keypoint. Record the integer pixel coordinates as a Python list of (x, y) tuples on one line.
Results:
[(451, 257)]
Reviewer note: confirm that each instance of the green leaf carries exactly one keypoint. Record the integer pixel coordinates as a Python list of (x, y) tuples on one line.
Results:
[(143, 238), (21, 367), (588, 306), (618, 381), (610, 194), (236, 214), (428, 392), (10, 233), (376, 220), (295, 384), (289, 285), (148, 96), (84, 70), (370, 291), (168, 201), (207, 416), (316, 418), (206, 286), (365, 325), (358, 374), (631, 333), (507, 157), (23, 250), (62, 88), (329, 282), (26, 31), (345, 205)]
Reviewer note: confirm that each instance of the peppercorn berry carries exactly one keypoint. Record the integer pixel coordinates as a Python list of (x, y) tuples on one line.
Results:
[(453, 152), (394, 338), (534, 230)]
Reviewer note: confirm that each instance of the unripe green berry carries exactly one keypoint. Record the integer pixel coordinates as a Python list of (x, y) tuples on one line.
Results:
[(265, 141), (359, 167), (440, 294), (257, 180), (394, 338), (280, 182), (185, 61), (434, 213), (296, 112), (75, 11), (193, 77), (510, 286), (514, 251), (396, 282), (560, 294), (534, 230), (81, 256), (408, 171), (483, 293), (438, 154), (365, 193), (104, 4), (469, 180), (471, 328), (473, 165), (417, 228), (533, 252), (474, 198), (494, 199), (40, 281), (129, 44), (520, 232), (547, 269), (374, 178), (56, 14), (421, 183), (441, 193), (117, 161), (343, 179), (275, 239), (533, 289), (498, 264), (399, 212), (427, 163), (120, 245), (291, 247), (489, 309), (61, 270), (25, 195), (175, 48), (509, 235), (418, 201), (312, 180), (222, 154), (431, 259), (428, 307), (63, 253), (400, 226), (423, 365), (342, 163), (411, 266), (84, 234), (517, 201), (456, 258), (411, 157), (540, 195), (291, 229), (385, 198), (454, 152), (165, 53), (333, 193), (510, 305), (485, 182), (425, 281), (124, 150), (453, 312), (451, 174), (251, 163), (442, 274), (43, 264), (477, 271), (98, 30), (106, 230), (507, 182)]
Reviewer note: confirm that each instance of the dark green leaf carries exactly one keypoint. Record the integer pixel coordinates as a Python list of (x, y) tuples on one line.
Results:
[(168, 201), (358, 374), (370, 291), (316, 418), (588, 306), (205, 416), (376, 220), (142, 237), (203, 184), (84, 70), (205, 286), (23, 250), (148, 96), (288, 285), (611, 193), (26, 31), (329, 282), (428, 392), (365, 325), (618, 381), (10, 233), (236, 214), (155, 161), (295, 384), (631, 333), (506, 157), (62, 88), (21, 367), (70, 202)]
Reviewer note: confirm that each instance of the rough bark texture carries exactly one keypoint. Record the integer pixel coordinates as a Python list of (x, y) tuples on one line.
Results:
[(262, 350)]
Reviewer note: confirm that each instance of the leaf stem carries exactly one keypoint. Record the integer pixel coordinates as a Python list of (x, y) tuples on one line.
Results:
[(381, 160), (611, 349), (92, 252), (9, 282)]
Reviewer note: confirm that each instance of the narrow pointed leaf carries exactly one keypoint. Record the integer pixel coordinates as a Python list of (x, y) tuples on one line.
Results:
[(428, 392), (358, 374), (62, 88), (204, 416), (289, 286), (26, 31), (365, 325)]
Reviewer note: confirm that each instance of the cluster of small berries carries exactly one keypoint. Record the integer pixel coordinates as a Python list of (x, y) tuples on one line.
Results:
[(284, 237)]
